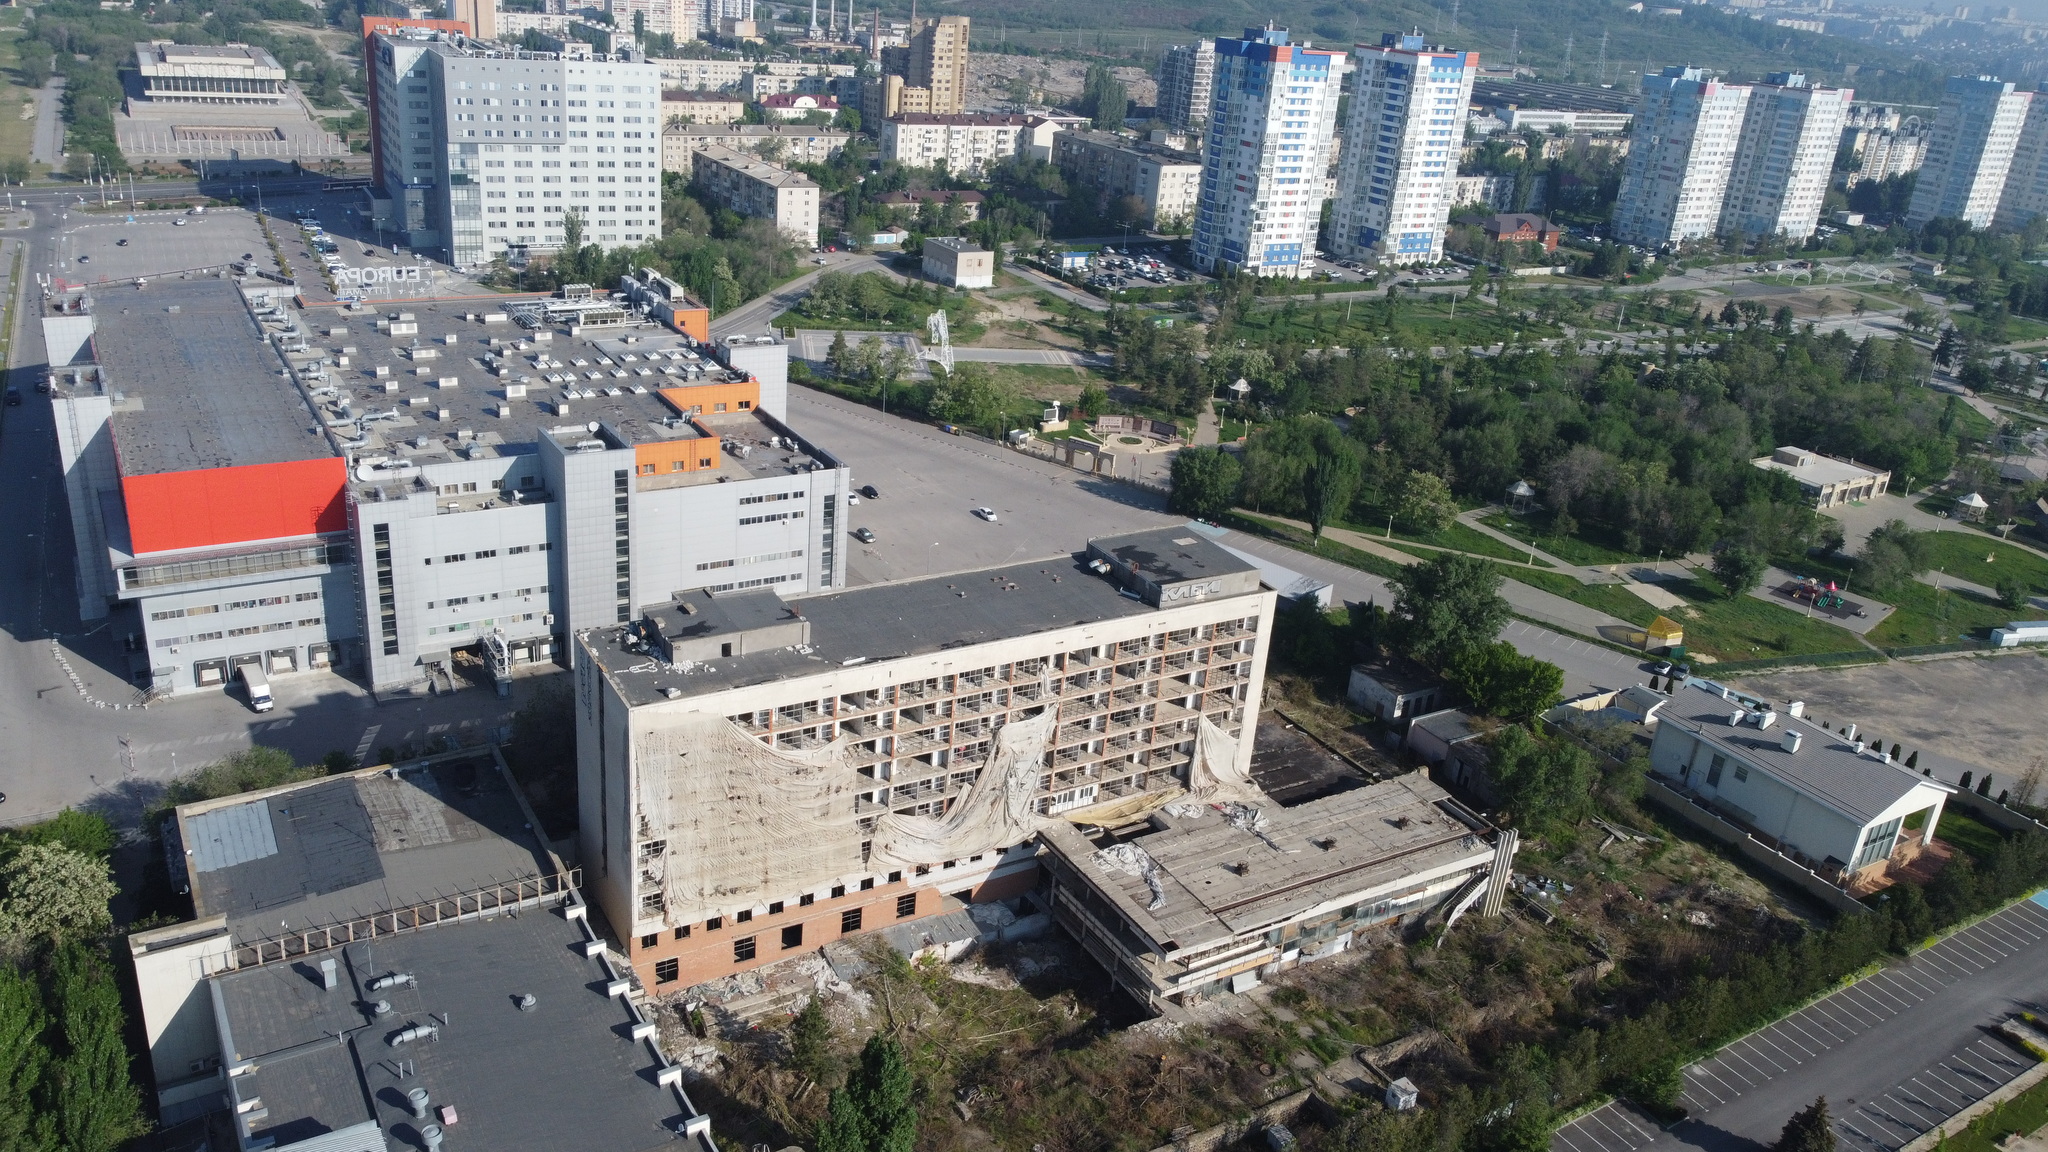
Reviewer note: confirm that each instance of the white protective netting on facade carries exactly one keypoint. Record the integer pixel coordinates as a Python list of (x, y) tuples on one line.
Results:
[(995, 813), (744, 822), (1213, 775)]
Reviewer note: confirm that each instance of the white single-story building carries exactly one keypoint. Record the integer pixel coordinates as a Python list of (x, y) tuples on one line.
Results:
[(1826, 480), (1394, 689), (1816, 794)]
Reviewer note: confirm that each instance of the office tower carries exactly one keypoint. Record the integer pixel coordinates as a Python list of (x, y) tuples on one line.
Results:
[(1271, 122), (1784, 158), (483, 151), (1396, 179), (480, 15), (1186, 72), (1970, 151), (1680, 158)]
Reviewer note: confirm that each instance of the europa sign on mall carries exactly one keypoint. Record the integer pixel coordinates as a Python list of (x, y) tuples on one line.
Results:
[(409, 274)]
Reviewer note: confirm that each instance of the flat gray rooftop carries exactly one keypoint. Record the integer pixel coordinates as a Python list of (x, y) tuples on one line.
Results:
[(1171, 555), (564, 1075), (1222, 881), (1827, 767), (196, 385), (890, 621), (340, 848), (463, 388)]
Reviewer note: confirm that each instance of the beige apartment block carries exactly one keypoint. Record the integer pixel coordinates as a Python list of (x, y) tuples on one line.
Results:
[(683, 106), (1116, 168), (966, 145), (775, 143), (751, 186)]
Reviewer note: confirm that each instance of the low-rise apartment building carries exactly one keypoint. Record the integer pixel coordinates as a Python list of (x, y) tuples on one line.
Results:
[(681, 106), (776, 143), (966, 144), (762, 774), (753, 187), (1165, 182)]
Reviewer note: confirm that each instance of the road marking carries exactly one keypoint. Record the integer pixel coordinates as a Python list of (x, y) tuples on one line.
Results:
[(363, 745)]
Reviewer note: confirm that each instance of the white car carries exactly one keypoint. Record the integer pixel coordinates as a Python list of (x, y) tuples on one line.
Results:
[(852, 498), (988, 514)]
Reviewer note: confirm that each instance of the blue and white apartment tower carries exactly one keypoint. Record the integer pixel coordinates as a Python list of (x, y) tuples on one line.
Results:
[(1398, 176), (1271, 124)]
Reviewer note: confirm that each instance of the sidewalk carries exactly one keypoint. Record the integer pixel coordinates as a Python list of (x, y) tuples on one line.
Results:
[(1525, 600)]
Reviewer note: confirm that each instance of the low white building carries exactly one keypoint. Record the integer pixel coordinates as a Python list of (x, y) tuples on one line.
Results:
[(1166, 182), (777, 143), (1828, 481), (959, 262), (1821, 797)]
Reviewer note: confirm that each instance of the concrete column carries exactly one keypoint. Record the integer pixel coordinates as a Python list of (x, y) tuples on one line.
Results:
[(1503, 871)]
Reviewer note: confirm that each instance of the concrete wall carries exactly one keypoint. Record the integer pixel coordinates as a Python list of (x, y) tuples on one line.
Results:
[(85, 451), (1750, 847), (171, 964)]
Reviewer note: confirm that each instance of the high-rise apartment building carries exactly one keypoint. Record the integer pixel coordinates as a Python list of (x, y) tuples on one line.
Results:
[(484, 149), (1890, 153), (1186, 73), (1784, 159), (1680, 158), (1396, 182), (480, 15), (929, 75), (2025, 195), (1970, 151), (1271, 122)]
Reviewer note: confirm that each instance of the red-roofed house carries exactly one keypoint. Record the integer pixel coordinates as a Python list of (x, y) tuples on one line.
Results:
[(797, 105)]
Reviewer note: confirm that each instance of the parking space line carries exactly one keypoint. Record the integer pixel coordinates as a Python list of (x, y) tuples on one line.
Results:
[(1783, 1054), (1702, 1073), (1634, 1127), (1905, 972), (2016, 921), (1906, 1101), (1860, 1134), (1990, 1074), (1996, 1056), (2029, 912), (1798, 1042), (1970, 950), (1982, 938), (1946, 1098), (1946, 962), (1816, 1023), (1863, 1013), (1576, 1147), (1965, 1091), (1611, 1131), (1890, 1116), (2006, 933), (1727, 1078), (1592, 1128), (1880, 992), (1845, 1021), (1763, 1056), (1873, 999)]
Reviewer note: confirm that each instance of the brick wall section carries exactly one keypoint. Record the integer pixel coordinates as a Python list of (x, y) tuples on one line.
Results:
[(701, 952)]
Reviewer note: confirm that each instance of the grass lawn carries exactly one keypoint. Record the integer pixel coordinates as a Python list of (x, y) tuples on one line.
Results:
[(1459, 537), (1921, 617), (1328, 549), (1577, 549), (1965, 554), (2025, 1112), (16, 134), (1969, 834), (1722, 626)]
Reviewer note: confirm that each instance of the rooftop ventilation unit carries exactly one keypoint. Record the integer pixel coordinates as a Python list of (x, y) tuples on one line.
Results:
[(1791, 741)]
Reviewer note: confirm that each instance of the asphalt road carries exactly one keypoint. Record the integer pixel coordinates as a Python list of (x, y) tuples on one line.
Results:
[(1896, 1054), (930, 483)]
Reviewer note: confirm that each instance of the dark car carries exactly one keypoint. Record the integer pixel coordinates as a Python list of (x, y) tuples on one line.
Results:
[(121, 243), (14, 397), (864, 535), (871, 492)]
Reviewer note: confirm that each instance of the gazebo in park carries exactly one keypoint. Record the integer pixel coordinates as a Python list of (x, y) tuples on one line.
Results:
[(1520, 495), (1971, 507)]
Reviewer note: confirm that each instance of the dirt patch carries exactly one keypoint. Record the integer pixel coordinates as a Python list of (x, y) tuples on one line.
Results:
[(1981, 710), (990, 78)]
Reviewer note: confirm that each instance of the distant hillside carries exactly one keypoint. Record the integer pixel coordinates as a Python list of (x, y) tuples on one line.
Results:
[(1534, 33)]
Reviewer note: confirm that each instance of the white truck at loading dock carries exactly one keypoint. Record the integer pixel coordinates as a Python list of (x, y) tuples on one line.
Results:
[(259, 688)]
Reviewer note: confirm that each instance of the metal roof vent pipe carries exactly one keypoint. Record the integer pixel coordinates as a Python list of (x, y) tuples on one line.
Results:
[(418, 1099), (1849, 733), (1792, 739), (527, 1002), (381, 1008), (431, 1135)]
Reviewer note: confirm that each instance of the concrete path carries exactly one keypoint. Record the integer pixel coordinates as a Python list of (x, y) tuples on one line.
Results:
[(48, 144), (1534, 603), (1057, 287), (1054, 356), (756, 315), (1471, 520), (1208, 429)]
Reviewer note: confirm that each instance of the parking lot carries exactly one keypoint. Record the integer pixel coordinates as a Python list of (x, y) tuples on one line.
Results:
[(1895, 1054), (89, 248)]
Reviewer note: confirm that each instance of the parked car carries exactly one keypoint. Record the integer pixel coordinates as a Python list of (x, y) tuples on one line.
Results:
[(14, 397), (871, 492), (988, 514), (864, 535), (121, 243)]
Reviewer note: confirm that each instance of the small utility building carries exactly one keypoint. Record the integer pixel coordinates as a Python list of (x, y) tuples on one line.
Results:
[(1818, 796), (959, 262)]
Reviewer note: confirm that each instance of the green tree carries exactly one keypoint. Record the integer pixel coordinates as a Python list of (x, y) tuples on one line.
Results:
[(1502, 682), (1738, 569), (1104, 99), (810, 1041), (86, 832), (969, 396), (1446, 605), (1892, 556), (1205, 482), (1809, 1130), (1423, 503), (874, 1111), (837, 355), (93, 1104), (2012, 592), (51, 892), (1541, 779), (23, 1059)]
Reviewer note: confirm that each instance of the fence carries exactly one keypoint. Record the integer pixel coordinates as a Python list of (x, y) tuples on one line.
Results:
[(1995, 814), (1822, 660), (445, 910), (1938, 649), (1773, 861)]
